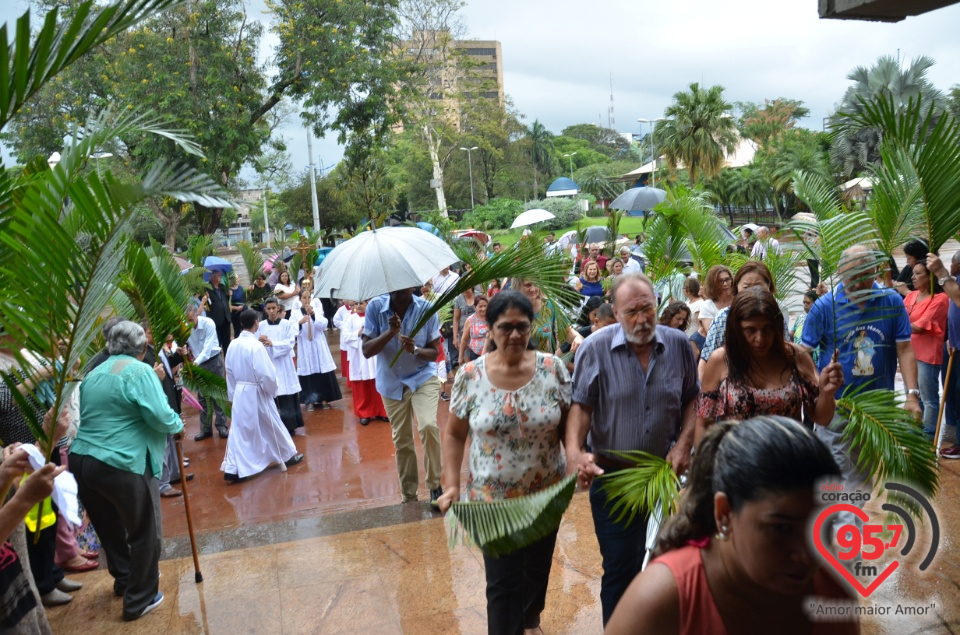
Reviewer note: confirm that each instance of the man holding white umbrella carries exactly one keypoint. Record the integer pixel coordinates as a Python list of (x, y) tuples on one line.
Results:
[(409, 387)]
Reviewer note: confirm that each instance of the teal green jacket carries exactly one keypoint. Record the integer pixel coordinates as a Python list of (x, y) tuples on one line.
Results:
[(125, 416)]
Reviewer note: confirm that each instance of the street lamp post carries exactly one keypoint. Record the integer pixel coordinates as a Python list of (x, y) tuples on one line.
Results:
[(470, 163), (570, 156), (653, 147), (313, 183)]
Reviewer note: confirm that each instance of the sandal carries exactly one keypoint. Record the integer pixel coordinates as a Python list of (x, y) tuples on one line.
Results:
[(90, 555), (88, 565)]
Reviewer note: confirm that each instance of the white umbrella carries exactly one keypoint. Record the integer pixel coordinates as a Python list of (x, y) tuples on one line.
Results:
[(530, 217), (564, 241), (376, 262)]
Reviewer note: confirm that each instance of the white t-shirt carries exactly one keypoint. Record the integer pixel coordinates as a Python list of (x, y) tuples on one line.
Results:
[(631, 265), (694, 317), (442, 283), (288, 303), (708, 310)]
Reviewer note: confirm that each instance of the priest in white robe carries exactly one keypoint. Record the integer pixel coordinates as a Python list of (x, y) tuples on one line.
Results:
[(257, 439), (315, 365), (279, 336)]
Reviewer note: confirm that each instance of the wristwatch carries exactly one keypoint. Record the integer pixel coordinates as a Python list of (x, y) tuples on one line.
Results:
[(913, 391), (942, 281), (416, 351)]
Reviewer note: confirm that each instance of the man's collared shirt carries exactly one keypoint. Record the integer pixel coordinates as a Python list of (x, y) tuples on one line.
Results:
[(203, 340), (409, 371), (443, 283), (865, 337), (633, 410)]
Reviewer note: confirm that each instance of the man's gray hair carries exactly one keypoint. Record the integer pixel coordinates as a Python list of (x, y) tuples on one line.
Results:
[(956, 257), (628, 278), (126, 338)]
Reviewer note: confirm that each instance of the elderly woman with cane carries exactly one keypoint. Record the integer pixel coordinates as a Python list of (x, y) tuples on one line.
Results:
[(116, 459)]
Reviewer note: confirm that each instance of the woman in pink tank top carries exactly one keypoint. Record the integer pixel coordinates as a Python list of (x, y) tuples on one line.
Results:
[(735, 558)]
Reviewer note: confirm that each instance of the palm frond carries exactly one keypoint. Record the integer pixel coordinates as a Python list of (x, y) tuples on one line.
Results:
[(652, 487), (157, 291), (926, 144), (26, 67), (892, 444), (252, 259), (783, 268), (896, 205), (526, 261), (503, 526), (201, 247), (201, 381)]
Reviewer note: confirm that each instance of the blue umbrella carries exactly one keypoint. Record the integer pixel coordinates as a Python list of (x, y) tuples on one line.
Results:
[(427, 227), (322, 254), (213, 263)]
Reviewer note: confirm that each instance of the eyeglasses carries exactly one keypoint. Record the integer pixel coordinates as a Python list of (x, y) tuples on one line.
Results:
[(506, 329), (725, 280)]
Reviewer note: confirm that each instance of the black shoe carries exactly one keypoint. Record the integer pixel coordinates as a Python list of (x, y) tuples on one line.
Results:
[(435, 494), (203, 435), (175, 481), (223, 432), (444, 396), (365, 421), (296, 458), (387, 419), (231, 478)]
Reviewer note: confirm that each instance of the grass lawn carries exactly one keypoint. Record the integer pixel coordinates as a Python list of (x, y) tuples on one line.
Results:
[(629, 225)]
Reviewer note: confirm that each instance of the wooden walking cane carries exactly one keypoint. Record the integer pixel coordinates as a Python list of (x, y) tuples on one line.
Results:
[(198, 577), (943, 405)]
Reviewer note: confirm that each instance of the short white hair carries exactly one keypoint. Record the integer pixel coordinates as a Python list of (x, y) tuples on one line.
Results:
[(126, 338)]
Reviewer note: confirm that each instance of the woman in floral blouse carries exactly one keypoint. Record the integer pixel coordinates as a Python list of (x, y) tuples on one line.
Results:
[(513, 402), (758, 373)]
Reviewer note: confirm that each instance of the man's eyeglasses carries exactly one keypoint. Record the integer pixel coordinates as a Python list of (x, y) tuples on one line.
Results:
[(507, 329)]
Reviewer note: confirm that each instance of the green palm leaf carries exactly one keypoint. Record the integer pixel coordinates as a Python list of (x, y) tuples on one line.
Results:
[(252, 259), (896, 205), (157, 291), (26, 67), (526, 261), (891, 441), (923, 144), (503, 526), (201, 381), (652, 487), (783, 268), (200, 248)]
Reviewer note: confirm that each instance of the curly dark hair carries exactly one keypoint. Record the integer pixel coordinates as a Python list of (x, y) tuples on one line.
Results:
[(671, 311)]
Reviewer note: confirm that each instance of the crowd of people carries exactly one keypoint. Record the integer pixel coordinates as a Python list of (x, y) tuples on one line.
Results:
[(542, 392)]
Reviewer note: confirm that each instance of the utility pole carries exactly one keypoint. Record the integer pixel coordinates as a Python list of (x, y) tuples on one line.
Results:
[(313, 183), (266, 221), (470, 162)]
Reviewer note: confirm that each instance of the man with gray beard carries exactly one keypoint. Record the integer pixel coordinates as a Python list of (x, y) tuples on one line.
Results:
[(634, 388)]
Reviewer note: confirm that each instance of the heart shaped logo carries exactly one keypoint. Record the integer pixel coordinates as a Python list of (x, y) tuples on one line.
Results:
[(849, 577)]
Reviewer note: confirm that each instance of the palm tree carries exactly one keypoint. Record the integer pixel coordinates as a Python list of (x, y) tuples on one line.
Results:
[(541, 153), (855, 147), (699, 131), (66, 227)]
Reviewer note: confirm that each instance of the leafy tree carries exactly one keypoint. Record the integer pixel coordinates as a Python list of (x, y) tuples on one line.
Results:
[(365, 182), (542, 152), (565, 210), (763, 123), (602, 140), (793, 150), (698, 131), (855, 147), (497, 214), (493, 129), (602, 180), (297, 206), (585, 154)]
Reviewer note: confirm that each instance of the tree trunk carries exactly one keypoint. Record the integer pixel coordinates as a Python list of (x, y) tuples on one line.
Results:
[(536, 184), (170, 220), (432, 146)]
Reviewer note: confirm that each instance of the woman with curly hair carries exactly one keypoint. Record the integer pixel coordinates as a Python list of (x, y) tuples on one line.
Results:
[(676, 315)]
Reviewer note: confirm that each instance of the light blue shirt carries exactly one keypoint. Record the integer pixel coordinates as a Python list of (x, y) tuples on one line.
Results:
[(409, 371), (203, 340)]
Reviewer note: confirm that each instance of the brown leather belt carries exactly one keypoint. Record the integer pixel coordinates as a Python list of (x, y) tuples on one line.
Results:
[(611, 463)]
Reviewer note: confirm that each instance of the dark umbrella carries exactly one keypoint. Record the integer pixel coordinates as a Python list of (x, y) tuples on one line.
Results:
[(639, 199)]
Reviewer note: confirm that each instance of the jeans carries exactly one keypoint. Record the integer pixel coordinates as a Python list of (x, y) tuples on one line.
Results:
[(846, 457), (929, 380), (621, 546), (517, 587)]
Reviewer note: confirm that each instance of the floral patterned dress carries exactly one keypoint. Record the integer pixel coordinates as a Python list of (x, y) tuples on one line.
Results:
[(514, 437), (738, 401)]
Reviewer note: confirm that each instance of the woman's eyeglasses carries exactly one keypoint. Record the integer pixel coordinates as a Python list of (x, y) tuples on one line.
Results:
[(507, 329)]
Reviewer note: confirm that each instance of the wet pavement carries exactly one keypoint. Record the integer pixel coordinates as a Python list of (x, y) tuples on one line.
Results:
[(326, 547)]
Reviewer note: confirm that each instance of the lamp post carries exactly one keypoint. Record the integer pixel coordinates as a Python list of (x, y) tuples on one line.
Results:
[(313, 183), (570, 156), (653, 147), (470, 163)]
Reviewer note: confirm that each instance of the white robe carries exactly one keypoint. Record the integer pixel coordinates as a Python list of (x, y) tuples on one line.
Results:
[(284, 336), (361, 368), (313, 356), (339, 318), (257, 436)]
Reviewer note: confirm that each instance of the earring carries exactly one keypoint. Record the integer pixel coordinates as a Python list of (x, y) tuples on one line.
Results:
[(723, 533)]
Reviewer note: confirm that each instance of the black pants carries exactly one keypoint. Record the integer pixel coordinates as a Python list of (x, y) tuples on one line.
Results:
[(814, 267), (223, 335), (215, 366), (517, 587), (125, 509), (289, 408), (45, 571)]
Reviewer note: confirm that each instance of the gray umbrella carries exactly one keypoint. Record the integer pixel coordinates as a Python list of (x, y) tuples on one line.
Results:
[(639, 199)]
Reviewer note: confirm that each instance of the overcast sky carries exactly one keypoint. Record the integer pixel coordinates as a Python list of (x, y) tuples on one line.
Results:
[(558, 55)]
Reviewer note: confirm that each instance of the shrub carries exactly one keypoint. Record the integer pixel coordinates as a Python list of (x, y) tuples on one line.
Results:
[(596, 212), (567, 212), (497, 214)]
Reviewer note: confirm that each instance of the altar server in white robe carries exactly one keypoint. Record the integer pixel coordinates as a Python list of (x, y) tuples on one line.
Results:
[(315, 365), (279, 336), (367, 402), (342, 313), (257, 439)]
